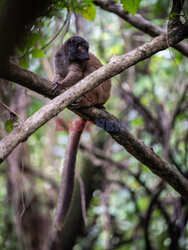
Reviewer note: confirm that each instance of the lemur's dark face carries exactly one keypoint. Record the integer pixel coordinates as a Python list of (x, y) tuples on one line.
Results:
[(77, 48)]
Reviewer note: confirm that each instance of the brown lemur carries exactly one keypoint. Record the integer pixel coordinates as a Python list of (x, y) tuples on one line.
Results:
[(73, 62)]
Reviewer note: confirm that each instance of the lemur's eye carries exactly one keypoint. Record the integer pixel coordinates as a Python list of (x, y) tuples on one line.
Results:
[(80, 48)]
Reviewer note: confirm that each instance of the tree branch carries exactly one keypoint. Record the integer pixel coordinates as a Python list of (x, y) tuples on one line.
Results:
[(135, 147), (174, 17), (141, 152), (138, 22), (179, 104)]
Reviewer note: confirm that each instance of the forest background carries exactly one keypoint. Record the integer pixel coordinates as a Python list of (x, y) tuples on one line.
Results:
[(135, 198)]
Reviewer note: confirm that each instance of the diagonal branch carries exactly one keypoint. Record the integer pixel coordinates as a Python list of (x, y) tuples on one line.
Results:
[(141, 152), (134, 146), (138, 21), (36, 83)]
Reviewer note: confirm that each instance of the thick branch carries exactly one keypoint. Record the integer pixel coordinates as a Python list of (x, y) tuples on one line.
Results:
[(36, 83), (141, 152), (138, 21), (137, 148)]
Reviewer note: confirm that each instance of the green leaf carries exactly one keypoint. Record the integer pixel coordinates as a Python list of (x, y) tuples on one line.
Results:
[(131, 5), (13, 85), (172, 15), (32, 40), (38, 53), (24, 61), (9, 125), (88, 12)]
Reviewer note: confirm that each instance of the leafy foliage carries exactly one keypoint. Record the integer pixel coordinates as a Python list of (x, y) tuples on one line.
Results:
[(87, 9), (9, 125), (131, 5)]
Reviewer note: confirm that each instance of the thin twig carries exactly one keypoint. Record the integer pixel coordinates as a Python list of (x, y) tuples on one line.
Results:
[(177, 109), (11, 111), (67, 20)]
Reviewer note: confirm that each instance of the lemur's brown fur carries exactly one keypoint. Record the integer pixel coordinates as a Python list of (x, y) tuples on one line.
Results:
[(72, 63)]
